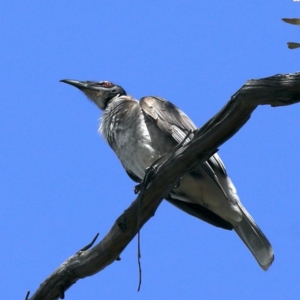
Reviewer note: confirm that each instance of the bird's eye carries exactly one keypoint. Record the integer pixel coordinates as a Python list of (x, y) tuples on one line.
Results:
[(105, 84)]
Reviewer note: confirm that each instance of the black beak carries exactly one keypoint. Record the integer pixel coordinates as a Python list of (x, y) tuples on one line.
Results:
[(79, 84)]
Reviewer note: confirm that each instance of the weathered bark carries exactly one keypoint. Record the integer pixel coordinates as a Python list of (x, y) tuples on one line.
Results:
[(277, 90)]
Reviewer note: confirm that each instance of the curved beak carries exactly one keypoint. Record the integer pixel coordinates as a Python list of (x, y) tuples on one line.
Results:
[(79, 84)]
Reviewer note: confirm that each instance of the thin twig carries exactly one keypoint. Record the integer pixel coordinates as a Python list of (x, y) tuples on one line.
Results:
[(90, 244), (27, 295), (139, 243)]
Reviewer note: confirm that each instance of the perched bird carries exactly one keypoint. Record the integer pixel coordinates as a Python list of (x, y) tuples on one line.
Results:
[(140, 132)]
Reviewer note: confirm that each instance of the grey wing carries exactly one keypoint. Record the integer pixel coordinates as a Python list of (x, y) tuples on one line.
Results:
[(173, 122), (217, 164), (169, 118)]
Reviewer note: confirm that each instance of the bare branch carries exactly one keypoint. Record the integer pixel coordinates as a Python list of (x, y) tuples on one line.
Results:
[(278, 90)]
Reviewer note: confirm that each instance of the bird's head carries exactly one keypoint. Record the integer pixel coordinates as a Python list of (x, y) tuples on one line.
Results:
[(100, 92)]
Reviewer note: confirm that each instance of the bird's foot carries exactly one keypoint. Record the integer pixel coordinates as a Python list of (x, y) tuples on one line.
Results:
[(138, 188), (177, 185)]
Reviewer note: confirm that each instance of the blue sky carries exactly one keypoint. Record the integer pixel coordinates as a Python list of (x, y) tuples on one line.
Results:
[(60, 183)]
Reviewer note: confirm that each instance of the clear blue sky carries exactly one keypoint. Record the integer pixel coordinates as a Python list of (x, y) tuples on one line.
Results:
[(61, 183)]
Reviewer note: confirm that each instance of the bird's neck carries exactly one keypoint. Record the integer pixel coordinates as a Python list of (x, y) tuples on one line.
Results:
[(115, 117)]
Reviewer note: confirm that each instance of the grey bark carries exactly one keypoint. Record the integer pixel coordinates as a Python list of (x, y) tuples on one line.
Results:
[(278, 90)]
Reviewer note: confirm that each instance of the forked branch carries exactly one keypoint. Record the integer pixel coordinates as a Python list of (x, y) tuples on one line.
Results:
[(278, 90)]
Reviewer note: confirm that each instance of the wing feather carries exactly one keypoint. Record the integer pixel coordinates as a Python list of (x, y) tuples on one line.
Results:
[(175, 123), (169, 118)]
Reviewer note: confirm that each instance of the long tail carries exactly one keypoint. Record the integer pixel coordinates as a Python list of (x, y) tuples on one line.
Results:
[(255, 240)]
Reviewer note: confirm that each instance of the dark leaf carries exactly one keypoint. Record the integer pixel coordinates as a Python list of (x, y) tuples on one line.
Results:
[(292, 45), (294, 21)]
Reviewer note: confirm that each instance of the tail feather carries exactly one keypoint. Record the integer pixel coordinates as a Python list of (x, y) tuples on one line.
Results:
[(254, 239)]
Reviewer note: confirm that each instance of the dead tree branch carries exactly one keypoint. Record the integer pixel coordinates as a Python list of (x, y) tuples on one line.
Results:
[(278, 90)]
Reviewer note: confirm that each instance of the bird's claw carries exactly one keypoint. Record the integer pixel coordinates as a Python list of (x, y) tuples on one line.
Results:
[(138, 188), (177, 185)]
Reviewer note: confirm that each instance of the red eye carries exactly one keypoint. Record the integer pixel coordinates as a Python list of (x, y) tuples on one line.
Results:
[(106, 84)]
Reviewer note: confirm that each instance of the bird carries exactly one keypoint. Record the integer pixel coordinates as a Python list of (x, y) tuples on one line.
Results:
[(140, 132)]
